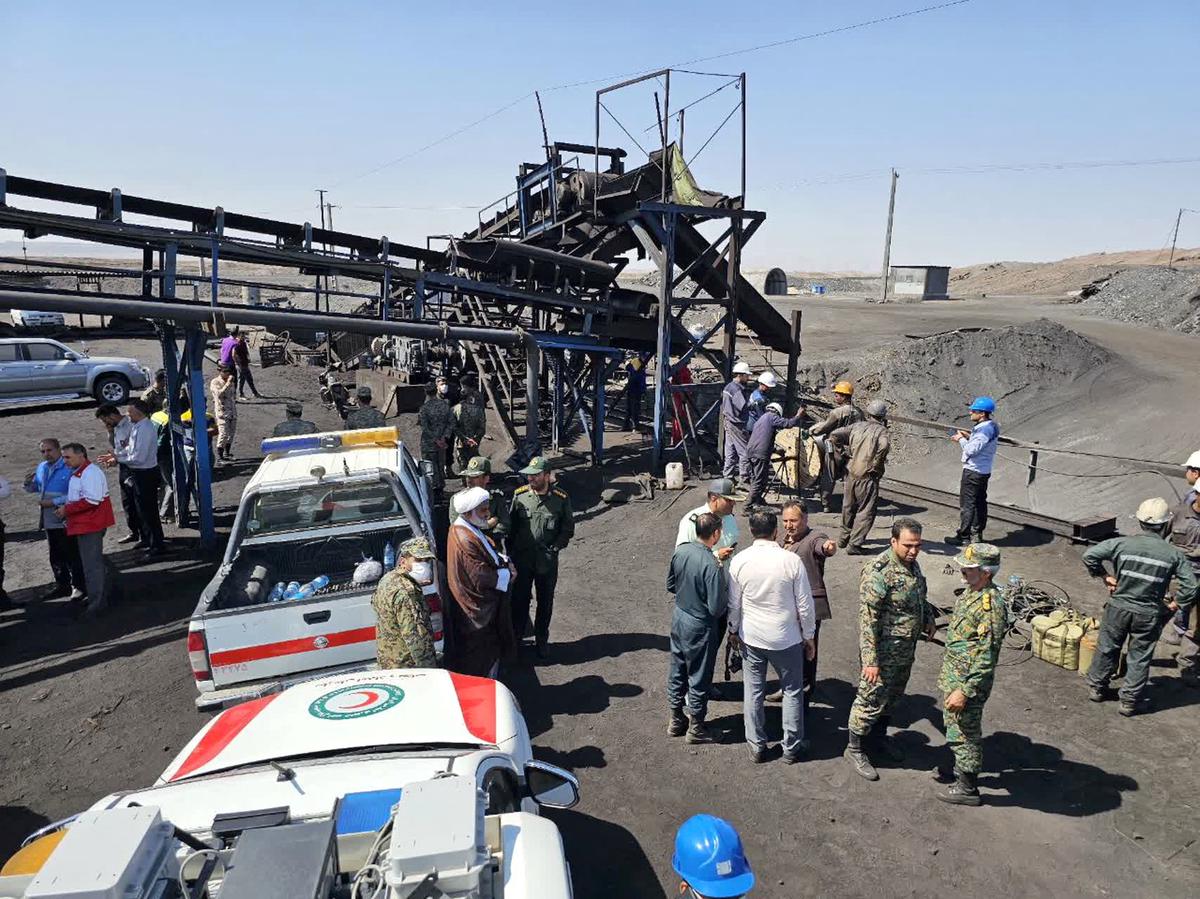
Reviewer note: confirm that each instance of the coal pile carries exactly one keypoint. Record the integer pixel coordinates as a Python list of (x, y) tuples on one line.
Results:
[(1028, 368), (1148, 295)]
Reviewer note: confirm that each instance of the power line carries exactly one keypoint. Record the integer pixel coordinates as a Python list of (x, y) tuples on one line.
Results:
[(567, 86)]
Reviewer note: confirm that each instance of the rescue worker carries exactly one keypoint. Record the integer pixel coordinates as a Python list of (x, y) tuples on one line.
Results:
[(155, 395), (762, 444), (293, 424), (478, 473), (224, 395), (978, 454), (710, 860), (869, 445), (892, 615), (542, 525), (843, 414), (759, 397), (365, 415), (470, 424), (1185, 534), (403, 629), (437, 424), (1138, 608), (973, 640), (701, 592), (734, 407)]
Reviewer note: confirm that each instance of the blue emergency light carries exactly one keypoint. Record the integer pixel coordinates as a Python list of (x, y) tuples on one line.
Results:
[(332, 440)]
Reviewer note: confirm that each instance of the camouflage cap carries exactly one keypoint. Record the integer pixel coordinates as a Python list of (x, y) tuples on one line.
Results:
[(477, 467), (417, 548), (537, 465), (978, 555)]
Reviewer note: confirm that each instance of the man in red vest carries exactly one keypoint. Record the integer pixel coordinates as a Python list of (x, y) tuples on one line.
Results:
[(88, 512)]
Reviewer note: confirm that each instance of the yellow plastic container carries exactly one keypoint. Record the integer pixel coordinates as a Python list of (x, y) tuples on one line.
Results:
[(1056, 639)]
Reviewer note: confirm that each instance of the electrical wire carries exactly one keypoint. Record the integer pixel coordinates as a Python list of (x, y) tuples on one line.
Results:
[(213, 853)]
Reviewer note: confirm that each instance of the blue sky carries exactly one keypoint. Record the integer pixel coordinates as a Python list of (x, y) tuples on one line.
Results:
[(252, 105)]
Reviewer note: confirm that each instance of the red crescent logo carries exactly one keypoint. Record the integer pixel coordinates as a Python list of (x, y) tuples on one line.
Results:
[(371, 695)]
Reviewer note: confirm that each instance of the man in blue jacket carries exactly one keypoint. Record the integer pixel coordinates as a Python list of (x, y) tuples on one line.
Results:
[(50, 481), (978, 453), (762, 444)]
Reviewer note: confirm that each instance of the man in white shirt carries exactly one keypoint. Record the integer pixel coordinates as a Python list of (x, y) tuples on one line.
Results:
[(720, 503), (772, 616), (138, 457), (5, 602)]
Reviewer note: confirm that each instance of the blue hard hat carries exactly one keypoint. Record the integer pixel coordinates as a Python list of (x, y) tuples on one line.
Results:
[(984, 404), (710, 859)]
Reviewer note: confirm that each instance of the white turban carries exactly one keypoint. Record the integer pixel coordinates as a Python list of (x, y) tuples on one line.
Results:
[(467, 501)]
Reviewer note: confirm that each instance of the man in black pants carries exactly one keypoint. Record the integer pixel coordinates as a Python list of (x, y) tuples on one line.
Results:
[(138, 454), (119, 427), (5, 602), (978, 454)]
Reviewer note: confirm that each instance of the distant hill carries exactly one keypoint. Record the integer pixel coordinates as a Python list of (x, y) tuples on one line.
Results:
[(1065, 276)]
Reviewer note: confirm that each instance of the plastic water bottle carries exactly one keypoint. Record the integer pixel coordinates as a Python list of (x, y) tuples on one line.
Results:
[(291, 590), (277, 593), (320, 582), (389, 556)]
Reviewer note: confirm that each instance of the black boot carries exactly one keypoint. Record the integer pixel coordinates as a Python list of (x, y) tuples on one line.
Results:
[(698, 732), (887, 746), (678, 724), (962, 792), (858, 758), (955, 540)]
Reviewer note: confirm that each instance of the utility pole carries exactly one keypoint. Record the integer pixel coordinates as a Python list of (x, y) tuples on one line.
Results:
[(329, 207), (887, 243), (1174, 238)]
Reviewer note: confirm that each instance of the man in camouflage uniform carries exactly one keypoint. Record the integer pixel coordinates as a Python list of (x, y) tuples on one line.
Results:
[(542, 525), (478, 473), (366, 415), (973, 639), (403, 630), (470, 423), (892, 615), (437, 424), (294, 424)]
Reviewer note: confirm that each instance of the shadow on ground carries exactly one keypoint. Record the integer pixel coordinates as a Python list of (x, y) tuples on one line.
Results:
[(606, 859)]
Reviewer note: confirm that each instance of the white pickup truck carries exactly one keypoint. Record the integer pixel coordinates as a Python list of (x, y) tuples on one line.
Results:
[(318, 505)]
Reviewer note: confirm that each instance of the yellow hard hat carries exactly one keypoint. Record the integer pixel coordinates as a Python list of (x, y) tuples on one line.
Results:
[(844, 387)]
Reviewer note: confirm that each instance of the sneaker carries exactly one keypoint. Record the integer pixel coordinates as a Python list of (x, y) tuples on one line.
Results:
[(130, 538), (1127, 709), (678, 724), (699, 733), (758, 754), (1096, 694)]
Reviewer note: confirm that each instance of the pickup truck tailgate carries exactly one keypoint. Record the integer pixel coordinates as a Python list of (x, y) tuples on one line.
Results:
[(290, 636)]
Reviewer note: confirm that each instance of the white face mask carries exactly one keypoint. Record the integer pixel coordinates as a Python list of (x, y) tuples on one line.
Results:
[(422, 572)]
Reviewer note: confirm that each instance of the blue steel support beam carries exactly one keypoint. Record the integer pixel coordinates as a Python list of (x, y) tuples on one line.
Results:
[(170, 349), (195, 355), (662, 372)]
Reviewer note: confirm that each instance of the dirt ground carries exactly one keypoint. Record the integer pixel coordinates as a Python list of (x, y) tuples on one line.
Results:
[(1080, 802)]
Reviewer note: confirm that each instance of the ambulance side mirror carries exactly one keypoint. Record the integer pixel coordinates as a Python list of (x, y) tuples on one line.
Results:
[(551, 786)]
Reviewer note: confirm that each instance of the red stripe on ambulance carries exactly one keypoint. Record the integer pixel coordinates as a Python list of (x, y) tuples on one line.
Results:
[(226, 726), (291, 647), (477, 699)]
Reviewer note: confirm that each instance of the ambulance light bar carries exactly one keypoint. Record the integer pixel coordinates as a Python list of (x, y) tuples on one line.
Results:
[(332, 440)]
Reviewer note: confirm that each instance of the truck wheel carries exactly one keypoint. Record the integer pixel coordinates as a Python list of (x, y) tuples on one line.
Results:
[(111, 389)]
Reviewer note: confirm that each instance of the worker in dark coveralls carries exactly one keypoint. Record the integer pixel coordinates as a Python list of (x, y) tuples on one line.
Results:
[(735, 407), (893, 613), (1138, 607), (542, 524), (974, 637), (869, 446), (762, 444), (366, 415), (293, 424), (701, 591), (403, 629)]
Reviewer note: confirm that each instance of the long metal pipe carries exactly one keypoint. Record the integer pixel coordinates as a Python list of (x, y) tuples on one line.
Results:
[(254, 315)]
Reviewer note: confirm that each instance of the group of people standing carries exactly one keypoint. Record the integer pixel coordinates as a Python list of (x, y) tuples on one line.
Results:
[(769, 600)]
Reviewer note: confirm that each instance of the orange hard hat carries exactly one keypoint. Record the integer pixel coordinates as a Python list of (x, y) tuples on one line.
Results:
[(844, 387)]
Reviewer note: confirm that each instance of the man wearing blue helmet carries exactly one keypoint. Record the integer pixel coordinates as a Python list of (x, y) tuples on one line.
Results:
[(710, 860), (978, 453)]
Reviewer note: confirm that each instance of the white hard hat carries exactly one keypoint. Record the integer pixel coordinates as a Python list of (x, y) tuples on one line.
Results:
[(1193, 460), (470, 499), (775, 407), (741, 368), (1154, 511), (768, 379)]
